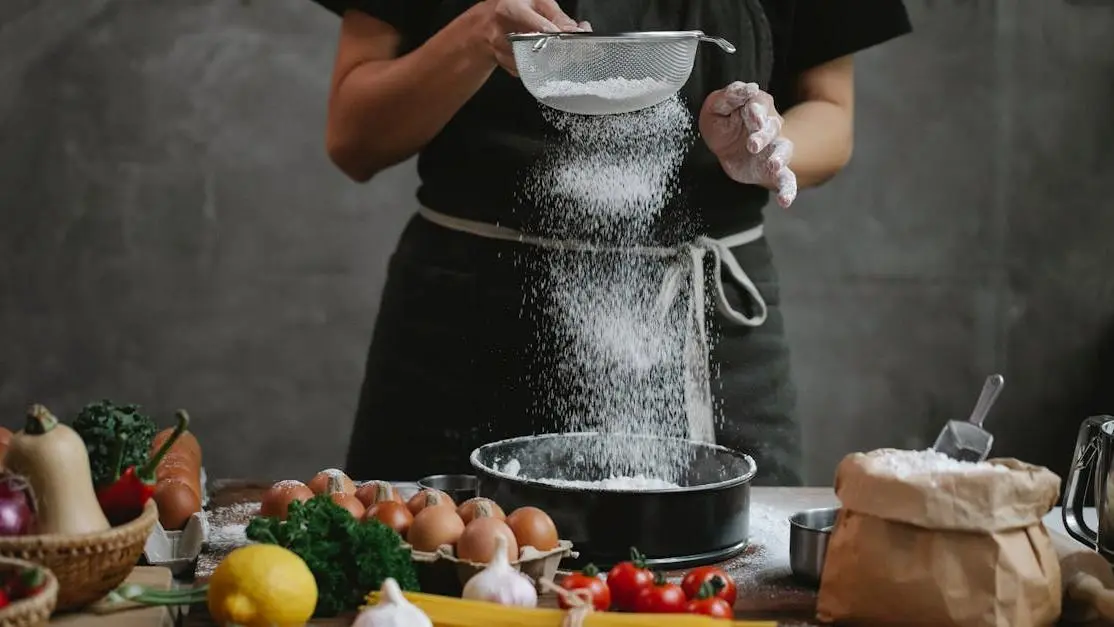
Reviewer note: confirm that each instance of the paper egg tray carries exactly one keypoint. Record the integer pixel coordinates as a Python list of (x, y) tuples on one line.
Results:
[(178, 550), (441, 572)]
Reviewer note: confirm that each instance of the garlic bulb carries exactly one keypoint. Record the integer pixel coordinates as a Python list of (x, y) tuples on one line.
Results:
[(500, 583), (393, 610)]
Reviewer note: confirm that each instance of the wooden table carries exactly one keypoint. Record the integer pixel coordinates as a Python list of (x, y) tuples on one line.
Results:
[(766, 590)]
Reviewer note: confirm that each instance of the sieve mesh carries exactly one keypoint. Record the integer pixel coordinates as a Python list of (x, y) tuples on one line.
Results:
[(598, 74)]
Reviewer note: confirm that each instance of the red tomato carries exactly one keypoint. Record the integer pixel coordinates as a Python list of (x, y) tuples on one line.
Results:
[(661, 598), (711, 606), (626, 580), (722, 583), (589, 581)]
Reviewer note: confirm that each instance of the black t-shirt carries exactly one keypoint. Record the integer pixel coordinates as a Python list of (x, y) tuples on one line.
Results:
[(475, 166)]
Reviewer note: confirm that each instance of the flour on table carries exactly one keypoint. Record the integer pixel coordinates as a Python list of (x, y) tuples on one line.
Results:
[(227, 532), (764, 566), (908, 464)]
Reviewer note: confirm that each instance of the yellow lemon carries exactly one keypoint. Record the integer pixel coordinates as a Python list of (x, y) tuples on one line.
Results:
[(262, 585)]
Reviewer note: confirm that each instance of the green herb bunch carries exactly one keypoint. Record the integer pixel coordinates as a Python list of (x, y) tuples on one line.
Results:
[(348, 558), (100, 425)]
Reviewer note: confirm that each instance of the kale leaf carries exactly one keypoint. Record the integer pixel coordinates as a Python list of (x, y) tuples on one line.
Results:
[(348, 558), (99, 425)]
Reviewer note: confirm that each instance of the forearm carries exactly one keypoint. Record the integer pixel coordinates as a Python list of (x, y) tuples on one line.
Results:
[(823, 136), (383, 112)]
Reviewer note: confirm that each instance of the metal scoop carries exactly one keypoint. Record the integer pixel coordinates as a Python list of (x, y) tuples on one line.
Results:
[(966, 440)]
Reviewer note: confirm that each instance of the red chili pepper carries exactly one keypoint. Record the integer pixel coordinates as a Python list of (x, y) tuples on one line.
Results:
[(123, 500)]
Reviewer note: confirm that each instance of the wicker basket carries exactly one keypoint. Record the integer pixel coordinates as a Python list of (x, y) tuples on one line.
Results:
[(87, 566), (33, 611)]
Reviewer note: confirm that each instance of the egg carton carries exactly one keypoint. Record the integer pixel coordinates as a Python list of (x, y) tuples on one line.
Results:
[(178, 550), (442, 572)]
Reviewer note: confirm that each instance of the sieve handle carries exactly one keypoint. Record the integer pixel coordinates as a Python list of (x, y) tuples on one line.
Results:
[(725, 45)]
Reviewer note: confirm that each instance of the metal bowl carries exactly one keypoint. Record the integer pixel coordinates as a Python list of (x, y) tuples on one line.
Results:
[(809, 532), (705, 520), (460, 488)]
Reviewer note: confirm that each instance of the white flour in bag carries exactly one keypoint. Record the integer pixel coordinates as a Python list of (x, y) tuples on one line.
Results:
[(905, 464), (616, 350)]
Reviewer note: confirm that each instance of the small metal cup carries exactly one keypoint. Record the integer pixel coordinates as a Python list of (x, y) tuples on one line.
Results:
[(809, 532), (460, 488)]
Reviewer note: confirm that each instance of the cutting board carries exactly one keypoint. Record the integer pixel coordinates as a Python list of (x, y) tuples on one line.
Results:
[(150, 576)]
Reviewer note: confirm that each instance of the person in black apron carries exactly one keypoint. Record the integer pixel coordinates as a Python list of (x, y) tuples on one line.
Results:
[(458, 356)]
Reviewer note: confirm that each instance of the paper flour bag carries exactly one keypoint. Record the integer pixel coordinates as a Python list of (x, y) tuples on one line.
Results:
[(926, 540)]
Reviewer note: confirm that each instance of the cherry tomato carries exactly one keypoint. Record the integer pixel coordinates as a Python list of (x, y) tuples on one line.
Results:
[(711, 606), (589, 581), (723, 584), (627, 579), (661, 598)]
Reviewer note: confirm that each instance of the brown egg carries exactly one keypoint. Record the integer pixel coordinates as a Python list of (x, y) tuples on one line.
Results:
[(177, 502), (477, 544), (320, 482), (479, 507), (428, 498), (374, 492), (278, 498), (350, 503), (393, 514), (533, 527), (434, 527)]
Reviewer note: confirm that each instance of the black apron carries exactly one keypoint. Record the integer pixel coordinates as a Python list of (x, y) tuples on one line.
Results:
[(458, 357)]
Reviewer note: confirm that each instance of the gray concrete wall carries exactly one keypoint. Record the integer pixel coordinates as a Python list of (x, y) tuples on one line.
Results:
[(172, 234)]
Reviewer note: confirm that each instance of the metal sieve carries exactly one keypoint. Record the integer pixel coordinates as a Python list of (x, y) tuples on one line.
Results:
[(599, 74)]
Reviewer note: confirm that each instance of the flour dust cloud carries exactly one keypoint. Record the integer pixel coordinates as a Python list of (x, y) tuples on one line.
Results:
[(614, 343)]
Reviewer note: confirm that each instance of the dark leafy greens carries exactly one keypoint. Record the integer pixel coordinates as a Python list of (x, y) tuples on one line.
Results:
[(348, 558), (100, 424)]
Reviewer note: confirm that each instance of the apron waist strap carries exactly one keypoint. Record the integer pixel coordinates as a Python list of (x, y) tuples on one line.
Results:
[(694, 252)]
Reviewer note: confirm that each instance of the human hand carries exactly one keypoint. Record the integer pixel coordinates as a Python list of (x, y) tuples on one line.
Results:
[(742, 127), (525, 16)]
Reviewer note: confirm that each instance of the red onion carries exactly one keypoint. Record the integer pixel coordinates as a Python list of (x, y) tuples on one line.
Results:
[(16, 515)]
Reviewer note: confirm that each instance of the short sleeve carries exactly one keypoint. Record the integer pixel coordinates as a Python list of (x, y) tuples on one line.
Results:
[(825, 30), (409, 17)]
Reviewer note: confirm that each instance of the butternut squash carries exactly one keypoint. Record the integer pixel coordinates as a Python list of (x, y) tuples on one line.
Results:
[(53, 459)]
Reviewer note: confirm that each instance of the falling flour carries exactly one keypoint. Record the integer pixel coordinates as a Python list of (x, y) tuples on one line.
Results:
[(614, 344), (907, 464)]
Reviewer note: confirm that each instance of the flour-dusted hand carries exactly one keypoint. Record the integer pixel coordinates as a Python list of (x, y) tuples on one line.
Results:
[(525, 16), (742, 127)]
